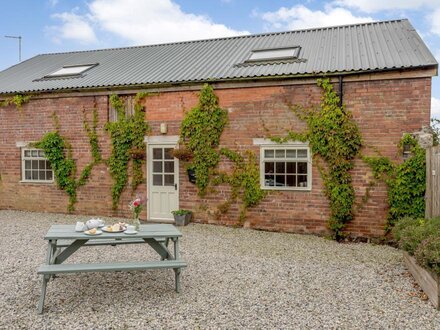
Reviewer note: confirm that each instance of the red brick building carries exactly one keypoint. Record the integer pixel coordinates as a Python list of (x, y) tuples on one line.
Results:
[(381, 70)]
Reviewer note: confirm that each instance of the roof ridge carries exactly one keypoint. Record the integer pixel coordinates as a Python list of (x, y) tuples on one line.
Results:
[(227, 38)]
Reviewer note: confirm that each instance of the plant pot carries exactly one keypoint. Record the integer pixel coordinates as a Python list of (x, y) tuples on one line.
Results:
[(191, 175), (137, 153), (182, 220), (183, 154)]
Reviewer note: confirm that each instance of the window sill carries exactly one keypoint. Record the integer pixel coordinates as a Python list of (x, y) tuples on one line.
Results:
[(36, 182), (287, 188)]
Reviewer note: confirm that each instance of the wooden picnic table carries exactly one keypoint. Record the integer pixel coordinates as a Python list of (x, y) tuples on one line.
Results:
[(63, 241)]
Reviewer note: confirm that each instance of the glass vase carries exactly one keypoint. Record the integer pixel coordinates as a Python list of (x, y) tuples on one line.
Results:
[(136, 223)]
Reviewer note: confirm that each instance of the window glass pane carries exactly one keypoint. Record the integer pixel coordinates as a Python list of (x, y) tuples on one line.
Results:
[(169, 180), (48, 167), (157, 180), (280, 153), (302, 153), (302, 167), (42, 164), (280, 180), (270, 54), (69, 70), (168, 153), (169, 167), (268, 153), (280, 167), (42, 175), (48, 175), (269, 167), (291, 180), (27, 153), (291, 153), (302, 180), (34, 153), (35, 164), (27, 164), (291, 167), (34, 175), (27, 175), (157, 167), (157, 153), (269, 180), (41, 153)]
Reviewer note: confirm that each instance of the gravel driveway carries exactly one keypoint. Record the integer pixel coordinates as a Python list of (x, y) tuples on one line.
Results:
[(236, 278)]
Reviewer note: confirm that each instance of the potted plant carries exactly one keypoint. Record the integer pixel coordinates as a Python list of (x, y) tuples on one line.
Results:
[(137, 153), (182, 217), (183, 154)]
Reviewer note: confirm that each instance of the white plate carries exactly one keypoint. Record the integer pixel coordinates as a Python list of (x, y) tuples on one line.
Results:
[(111, 231), (98, 232), (130, 232)]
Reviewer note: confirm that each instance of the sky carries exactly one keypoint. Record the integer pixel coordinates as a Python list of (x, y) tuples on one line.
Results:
[(48, 26)]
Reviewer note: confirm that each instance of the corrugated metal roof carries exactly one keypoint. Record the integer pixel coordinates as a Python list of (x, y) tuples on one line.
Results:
[(340, 49)]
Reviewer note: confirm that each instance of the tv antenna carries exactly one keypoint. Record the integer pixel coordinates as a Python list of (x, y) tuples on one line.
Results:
[(19, 45)]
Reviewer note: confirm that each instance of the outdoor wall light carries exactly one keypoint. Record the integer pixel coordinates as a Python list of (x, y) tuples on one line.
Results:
[(163, 128)]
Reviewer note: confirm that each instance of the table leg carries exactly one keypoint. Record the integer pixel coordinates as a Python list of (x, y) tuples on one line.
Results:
[(51, 246), (177, 271), (43, 294), (159, 248), (68, 251), (176, 248), (177, 276)]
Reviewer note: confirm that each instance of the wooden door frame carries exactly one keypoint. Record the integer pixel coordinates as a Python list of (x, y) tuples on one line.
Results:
[(161, 140)]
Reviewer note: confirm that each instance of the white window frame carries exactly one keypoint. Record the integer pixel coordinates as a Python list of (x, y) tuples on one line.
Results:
[(38, 158), (266, 144), (71, 70)]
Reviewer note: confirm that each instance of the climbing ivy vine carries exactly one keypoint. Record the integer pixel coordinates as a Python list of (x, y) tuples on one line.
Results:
[(334, 137), (58, 152), (406, 182), (244, 181), (126, 133), (200, 132), (18, 100)]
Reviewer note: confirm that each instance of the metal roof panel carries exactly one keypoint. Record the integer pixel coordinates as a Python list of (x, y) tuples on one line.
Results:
[(357, 47)]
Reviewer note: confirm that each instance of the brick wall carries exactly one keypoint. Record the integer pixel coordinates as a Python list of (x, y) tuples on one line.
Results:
[(383, 109)]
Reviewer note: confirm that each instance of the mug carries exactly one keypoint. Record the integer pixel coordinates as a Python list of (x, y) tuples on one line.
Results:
[(79, 226), (131, 229)]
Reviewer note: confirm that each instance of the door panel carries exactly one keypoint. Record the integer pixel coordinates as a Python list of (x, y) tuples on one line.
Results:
[(163, 182)]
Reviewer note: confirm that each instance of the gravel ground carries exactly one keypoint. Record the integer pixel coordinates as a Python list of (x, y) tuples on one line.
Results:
[(236, 278)]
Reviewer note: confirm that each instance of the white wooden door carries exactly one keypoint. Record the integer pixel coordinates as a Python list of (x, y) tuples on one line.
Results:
[(163, 182)]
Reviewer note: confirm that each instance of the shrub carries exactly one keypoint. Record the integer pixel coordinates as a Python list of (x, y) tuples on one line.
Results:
[(421, 238), (402, 224), (427, 253), (415, 231)]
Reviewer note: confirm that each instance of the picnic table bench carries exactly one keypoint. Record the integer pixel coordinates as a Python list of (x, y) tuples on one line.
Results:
[(63, 241)]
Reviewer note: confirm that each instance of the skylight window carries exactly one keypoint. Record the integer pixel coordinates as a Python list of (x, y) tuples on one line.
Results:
[(70, 70), (274, 54)]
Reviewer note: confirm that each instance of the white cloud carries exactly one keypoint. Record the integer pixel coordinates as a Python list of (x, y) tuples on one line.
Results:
[(435, 107), (73, 27), (372, 6), (300, 17), (53, 3), (138, 21), (434, 19)]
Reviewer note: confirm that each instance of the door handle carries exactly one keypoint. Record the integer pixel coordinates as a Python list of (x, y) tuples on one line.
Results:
[(175, 186)]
